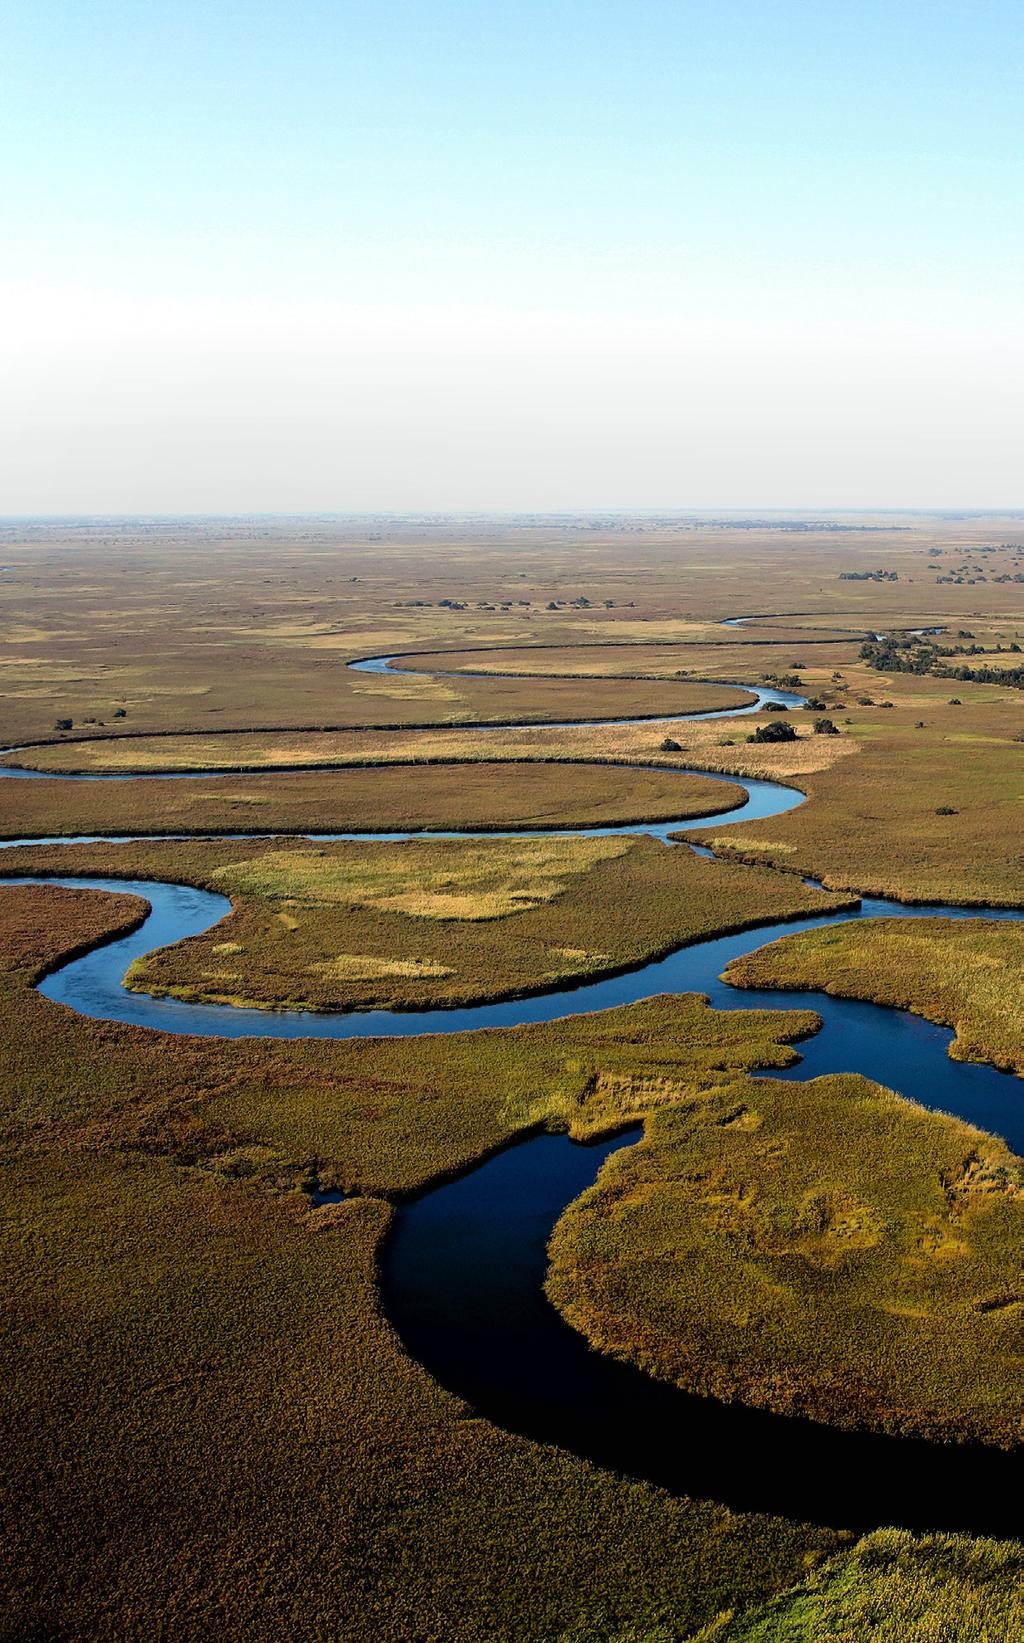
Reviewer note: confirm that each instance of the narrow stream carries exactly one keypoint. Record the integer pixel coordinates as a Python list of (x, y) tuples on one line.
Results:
[(464, 1270)]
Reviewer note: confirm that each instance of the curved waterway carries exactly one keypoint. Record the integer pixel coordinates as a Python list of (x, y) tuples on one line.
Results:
[(759, 698), (463, 1272)]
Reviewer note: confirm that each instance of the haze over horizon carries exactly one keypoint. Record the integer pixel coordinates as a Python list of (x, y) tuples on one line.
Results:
[(451, 258)]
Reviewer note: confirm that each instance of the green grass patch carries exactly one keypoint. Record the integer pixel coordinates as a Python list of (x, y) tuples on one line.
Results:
[(891, 1588), (411, 914)]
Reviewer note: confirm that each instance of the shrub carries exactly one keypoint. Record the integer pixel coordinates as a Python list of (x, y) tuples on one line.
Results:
[(670, 746), (775, 731), (825, 727)]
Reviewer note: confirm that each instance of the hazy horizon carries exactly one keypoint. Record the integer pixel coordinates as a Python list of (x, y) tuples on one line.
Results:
[(723, 513)]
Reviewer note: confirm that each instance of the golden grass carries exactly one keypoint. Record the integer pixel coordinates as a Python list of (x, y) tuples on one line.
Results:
[(826, 1249), (460, 879), (964, 973), (371, 967), (210, 1427), (893, 1588), (487, 796), (928, 810), (717, 744), (626, 901)]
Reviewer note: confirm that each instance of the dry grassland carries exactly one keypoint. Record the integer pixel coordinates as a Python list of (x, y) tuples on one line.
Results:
[(481, 794)]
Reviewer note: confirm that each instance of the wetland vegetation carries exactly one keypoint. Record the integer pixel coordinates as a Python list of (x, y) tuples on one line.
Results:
[(965, 974), (871, 1282), (423, 923), (177, 1295)]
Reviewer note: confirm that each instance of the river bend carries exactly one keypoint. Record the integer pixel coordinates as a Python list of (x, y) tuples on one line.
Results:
[(463, 1271)]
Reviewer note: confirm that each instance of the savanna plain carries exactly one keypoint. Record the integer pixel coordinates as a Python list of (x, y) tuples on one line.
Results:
[(211, 1423)]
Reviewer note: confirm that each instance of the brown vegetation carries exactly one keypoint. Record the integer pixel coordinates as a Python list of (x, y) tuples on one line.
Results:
[(210, 1425)]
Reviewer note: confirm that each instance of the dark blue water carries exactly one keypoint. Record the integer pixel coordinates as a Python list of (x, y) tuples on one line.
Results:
[(463, 1277), (463, 1273), (893, 1047)]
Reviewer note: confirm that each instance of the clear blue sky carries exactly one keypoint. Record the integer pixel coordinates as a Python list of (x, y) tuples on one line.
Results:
[(510, 255)]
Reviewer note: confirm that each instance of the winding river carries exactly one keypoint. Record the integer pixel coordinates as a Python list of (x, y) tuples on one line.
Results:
[(463, 1272)]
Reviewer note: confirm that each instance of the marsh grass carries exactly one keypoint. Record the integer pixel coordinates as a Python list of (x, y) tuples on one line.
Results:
[(892, 1588), (823, 1248), (302, 916), (480, 794), (880, 822), (963, 973), (459, 879), (210, 1427)]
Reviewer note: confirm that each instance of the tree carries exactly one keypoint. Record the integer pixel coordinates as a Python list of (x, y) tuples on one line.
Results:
[(825, 727), (775, 731)]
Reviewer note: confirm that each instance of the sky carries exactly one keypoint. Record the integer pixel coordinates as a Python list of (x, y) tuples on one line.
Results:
[(434, 255)]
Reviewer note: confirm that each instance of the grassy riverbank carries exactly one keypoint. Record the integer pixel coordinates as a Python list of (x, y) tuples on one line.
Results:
[(822, 1248), (210, 1425), (483, 795), (962, 973), (429, 923), (927, 809), (891, 1588)]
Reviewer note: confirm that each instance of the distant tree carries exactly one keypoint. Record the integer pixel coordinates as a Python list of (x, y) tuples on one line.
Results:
[(825, 727), (63, 724), (775, 731), (669, 746)]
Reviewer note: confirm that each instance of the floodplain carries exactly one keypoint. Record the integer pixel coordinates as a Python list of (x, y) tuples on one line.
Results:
[(195, 1225)]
